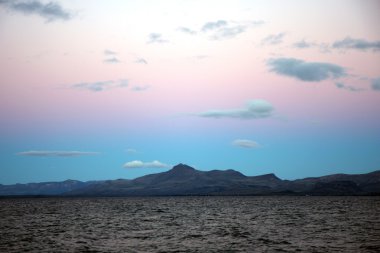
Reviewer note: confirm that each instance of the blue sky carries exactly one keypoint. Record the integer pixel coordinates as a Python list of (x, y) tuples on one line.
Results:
[(94, 90)]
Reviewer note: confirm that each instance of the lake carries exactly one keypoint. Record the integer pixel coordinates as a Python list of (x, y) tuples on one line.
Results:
[(191, 224)]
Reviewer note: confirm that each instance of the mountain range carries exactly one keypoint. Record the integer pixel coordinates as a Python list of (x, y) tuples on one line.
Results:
[(183, 180)]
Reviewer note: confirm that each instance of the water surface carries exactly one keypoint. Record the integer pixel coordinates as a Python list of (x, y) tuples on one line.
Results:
[(191, 224)]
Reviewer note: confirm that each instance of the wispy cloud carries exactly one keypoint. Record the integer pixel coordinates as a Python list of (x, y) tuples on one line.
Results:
[(131, 151), (50, 11), (359, 44), (375, 85), (186, 30), (141, 61), (112, 60), (305, 71), (111, 57), (304, 44), (254, 109), (273, 39), (228, 32), (139, 164), (56, 153), (101, 85), (343, 86), (222, 29), (140, 88), (201, 57), (245, 143), (156, 38), (109, 52), (347, 43), (209, 26)]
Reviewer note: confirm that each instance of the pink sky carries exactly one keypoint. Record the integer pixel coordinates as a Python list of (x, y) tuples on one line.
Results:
[(52, 65)]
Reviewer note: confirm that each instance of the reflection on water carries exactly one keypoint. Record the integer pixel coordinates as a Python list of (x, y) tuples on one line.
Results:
[(191, 224)]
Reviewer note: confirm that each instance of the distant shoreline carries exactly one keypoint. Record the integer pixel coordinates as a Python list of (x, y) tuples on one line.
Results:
[(173, 196)]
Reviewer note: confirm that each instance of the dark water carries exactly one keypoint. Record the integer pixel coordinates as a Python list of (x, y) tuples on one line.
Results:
[(191, 224)]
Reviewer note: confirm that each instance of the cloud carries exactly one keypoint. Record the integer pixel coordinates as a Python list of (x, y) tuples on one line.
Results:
[(112, 60), (131, 151), (50, 11), (376, 84), (305, 71), (156, 38), (201, 57), (347, 87), (254, 109), (273, 39), (109, 52), (140, 164), (213, 25), (223, 29), (186, 30), (344, 44), (140, 88), (303, 44), (359, 44), (122, 83), (228, 32), (255, 22), (101, 85), (245, 143), (94, 86), (141, 61), (56, 153)]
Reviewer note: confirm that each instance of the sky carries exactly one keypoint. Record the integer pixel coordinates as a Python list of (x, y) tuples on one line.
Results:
[(95, 90)]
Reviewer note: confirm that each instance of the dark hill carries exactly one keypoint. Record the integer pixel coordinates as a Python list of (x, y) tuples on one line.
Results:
[(185, 180), (46, 188)]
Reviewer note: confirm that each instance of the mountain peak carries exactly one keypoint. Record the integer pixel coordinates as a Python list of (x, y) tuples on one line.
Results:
[(182, 167), (270, 176)]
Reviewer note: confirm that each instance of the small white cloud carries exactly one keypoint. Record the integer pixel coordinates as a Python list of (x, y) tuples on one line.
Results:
[(209, 26), (304, 44), (245, 143), (186, 30), (131, 151), (223, 29), (273, 39), (141, 61), (112, 60), (140, 164), (156, 38), (101, 85), (201, 57), (140, 88), (254, 109), (109, 52)]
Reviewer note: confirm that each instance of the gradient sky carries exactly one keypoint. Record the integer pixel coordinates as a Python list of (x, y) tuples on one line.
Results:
[(93, 90)]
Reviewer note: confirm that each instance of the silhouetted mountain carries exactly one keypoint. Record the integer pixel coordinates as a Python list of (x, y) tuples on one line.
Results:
[(185, 180), (46, 188), (270, 180), (336, 188)]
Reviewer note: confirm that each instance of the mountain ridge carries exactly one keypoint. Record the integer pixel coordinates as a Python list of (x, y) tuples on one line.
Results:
[(185, 180)]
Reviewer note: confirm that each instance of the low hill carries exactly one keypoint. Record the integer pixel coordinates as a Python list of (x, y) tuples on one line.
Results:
[(185, 180)]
